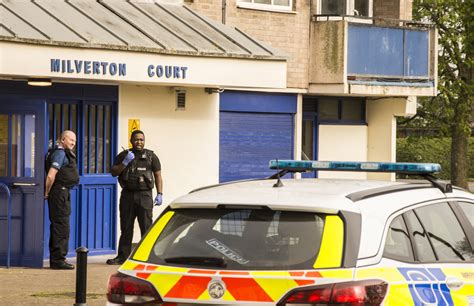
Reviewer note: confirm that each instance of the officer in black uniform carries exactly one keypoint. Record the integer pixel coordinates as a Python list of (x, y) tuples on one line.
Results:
[(62, 175), (138, 170)]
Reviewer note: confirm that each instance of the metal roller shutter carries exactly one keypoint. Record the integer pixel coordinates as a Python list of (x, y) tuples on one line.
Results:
[(249, 140)]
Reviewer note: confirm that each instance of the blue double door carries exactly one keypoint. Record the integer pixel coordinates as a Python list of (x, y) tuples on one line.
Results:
[(31, 121)]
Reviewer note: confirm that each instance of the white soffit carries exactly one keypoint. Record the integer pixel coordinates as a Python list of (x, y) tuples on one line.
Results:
[(171, 33)]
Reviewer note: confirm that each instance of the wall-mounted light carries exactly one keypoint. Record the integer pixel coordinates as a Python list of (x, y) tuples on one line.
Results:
[(211, 90), (39, 82)]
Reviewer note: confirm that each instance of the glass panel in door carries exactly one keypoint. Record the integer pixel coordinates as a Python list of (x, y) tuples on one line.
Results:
[(17, 145)]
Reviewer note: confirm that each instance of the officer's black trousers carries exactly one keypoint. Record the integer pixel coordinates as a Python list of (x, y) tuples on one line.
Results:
[(59, 212), (133, 204)]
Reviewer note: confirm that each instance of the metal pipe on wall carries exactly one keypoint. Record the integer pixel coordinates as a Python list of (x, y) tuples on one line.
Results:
[(224, 5)]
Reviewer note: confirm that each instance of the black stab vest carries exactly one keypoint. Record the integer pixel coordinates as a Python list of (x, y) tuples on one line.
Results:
[(138, 175), (68, 176)]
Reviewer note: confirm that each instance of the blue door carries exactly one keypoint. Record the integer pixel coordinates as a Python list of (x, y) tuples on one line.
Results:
[(31, 120), (93, 201), (22, 124)]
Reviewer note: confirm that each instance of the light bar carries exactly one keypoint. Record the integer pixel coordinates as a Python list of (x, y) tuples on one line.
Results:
[(312, 165)]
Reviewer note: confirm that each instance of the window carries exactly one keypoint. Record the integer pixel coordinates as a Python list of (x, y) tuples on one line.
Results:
[(17, 145), (328, 109), (62, 116), (346, 7), (397, 244), (445, 233), (341, 110), (271, 5), (97, 143), (423, 247), (468, 209), (94, 134), (353, 110), (240, 239), (308, 139)]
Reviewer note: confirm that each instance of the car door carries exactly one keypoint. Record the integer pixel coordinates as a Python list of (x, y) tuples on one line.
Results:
[(450, 274)]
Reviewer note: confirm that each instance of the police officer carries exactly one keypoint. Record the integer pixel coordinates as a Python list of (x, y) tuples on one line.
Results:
[(138, 170), (62, 175)]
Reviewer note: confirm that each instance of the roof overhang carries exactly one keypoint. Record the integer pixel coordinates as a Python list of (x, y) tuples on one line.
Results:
[(150, 42), (19, 60)]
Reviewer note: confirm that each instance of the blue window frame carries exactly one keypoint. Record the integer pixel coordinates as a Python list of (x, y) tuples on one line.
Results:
[(97, 147), (333, 110), (94, 131)]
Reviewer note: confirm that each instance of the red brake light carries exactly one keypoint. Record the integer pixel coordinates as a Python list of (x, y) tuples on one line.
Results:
[(124, 289), (348, 294), (318, 295), (368, 292)]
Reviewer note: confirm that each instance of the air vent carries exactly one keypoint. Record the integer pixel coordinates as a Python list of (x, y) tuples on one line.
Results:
[(181, 99)]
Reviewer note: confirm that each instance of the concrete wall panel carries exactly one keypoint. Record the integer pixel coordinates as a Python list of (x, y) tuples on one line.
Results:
[(342, 143), (186, 141)]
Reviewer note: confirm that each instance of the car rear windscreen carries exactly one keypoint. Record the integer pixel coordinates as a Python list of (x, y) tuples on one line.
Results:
[(240, 239)]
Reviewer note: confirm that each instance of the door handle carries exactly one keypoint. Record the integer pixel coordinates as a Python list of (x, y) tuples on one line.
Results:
[(454, 283), (17, 184)]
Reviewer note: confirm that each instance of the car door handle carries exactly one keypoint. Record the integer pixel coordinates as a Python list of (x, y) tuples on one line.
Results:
[(454, 283)]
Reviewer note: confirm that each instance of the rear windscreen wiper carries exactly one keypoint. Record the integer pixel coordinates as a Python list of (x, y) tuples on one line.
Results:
[(198, 261)]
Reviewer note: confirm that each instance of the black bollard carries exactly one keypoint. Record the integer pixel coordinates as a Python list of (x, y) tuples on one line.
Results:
[(81, 276)]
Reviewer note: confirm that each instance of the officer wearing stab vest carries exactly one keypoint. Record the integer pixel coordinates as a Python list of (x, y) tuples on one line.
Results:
[(61, 176), (138, 171)]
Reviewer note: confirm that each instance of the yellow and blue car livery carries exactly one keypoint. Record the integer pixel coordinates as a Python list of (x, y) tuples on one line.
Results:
[(372, 243)]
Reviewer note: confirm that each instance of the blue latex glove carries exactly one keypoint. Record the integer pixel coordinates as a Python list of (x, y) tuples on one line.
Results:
[(158, 199), (130, 156)]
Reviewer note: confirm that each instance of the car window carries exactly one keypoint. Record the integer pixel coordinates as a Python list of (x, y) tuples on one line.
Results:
[(445, 232), (240, 239), (398, 244), (423, 247), (468, 209)]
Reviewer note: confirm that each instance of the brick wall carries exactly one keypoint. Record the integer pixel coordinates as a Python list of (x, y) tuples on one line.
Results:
[(288, 32), (396, 9), (406, 12), (209, 8)]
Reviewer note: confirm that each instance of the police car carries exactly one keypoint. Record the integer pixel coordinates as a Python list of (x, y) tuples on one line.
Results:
[(308, 241)]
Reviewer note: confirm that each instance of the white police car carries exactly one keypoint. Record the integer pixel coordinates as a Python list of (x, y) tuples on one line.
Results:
[(308, 241)]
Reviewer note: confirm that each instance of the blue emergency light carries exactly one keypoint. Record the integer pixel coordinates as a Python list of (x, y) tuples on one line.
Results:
[(312, 165)]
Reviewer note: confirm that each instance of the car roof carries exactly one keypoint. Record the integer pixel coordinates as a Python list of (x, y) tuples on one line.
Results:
[(376, 201), (321, 195), (376, 215)]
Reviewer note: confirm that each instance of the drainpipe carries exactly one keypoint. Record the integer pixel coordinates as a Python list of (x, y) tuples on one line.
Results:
[(224, 4)]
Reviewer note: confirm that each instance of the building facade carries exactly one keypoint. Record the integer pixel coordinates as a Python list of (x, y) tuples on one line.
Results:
[(112, 67), (353, 66), (218, 86)]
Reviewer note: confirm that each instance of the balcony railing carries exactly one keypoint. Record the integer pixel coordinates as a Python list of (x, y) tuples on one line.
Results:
[(372, 52), (387, 52)]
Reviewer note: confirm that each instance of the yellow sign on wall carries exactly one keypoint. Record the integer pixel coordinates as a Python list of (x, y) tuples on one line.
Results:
[(133, 124)]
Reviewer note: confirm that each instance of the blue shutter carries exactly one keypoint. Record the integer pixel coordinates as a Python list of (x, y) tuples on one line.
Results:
[(249, 140), (254, 128)]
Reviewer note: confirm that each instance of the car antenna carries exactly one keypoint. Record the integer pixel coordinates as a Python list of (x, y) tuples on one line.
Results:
[(278, 183)]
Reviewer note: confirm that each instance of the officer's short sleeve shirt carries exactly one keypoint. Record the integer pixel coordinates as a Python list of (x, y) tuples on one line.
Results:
[(58, 159), (155, 163)]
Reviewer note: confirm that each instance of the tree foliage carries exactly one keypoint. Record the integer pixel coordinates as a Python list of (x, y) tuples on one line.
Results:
[(451, 111), (429, 150)]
